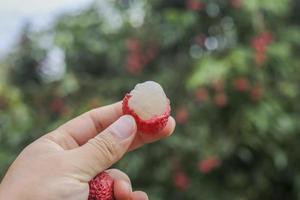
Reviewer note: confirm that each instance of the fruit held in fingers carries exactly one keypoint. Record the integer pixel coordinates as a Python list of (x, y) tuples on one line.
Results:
[(101, 187), (149, 106)]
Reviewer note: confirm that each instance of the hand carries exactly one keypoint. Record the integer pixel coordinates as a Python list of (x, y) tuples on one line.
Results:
[(59, 165)]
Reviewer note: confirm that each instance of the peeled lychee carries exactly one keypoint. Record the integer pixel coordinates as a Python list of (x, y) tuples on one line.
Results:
[(101, 187), (149, 106)]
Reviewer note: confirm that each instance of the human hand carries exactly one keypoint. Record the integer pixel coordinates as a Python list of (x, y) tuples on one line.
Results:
[(59, 165)]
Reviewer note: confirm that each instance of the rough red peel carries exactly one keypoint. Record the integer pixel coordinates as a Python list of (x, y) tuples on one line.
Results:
[(154, 123), (101, 187)]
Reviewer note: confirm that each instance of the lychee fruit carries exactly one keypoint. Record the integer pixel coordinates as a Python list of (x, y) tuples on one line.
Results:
[(149, 106), (241, 84), (208, 165), (202, 95), (182, 115), (181, 180), (221, 99), (257, 93), (101, 187)]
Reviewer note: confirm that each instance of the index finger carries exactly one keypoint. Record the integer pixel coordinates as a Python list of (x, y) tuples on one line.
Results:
[(88, 125)]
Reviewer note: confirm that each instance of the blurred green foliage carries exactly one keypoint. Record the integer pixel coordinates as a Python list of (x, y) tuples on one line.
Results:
[(231, 69)]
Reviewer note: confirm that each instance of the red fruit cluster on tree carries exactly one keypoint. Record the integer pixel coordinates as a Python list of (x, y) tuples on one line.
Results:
[(195, 5), (182, 115), (181, 180), (236, 3), (207, 165), (257, 92), (241, 84), (221, 99), (260, 44), (138, 56), (101, 187), (202, 95)]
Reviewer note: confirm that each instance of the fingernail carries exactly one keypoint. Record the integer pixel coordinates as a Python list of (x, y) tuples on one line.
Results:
[(124, 127)]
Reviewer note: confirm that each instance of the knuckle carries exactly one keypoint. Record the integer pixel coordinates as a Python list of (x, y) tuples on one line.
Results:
[(104, 149)]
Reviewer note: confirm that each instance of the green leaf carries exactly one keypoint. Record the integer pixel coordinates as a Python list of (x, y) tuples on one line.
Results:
[(278, 7), (207, 70)]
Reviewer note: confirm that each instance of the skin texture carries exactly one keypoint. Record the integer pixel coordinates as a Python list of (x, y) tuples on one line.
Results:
[(59, 165)]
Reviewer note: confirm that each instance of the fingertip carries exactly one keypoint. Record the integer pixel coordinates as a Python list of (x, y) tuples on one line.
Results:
[(117, 174), (132, 121), (123, 128), (139, 195), (142, 139), (122, 189), (172, 122), (170, 127)]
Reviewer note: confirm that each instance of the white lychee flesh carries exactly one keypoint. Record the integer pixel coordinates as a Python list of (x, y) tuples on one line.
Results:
[(148, 100)]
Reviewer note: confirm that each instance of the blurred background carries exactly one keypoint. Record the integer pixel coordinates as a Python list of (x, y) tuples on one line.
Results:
[(230, 67)]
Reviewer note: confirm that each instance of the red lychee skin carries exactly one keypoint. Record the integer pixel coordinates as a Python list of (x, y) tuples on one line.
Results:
[(101, 187), (153, 125)]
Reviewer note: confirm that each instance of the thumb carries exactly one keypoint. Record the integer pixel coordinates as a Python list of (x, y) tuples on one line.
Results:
[(105, 149)]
